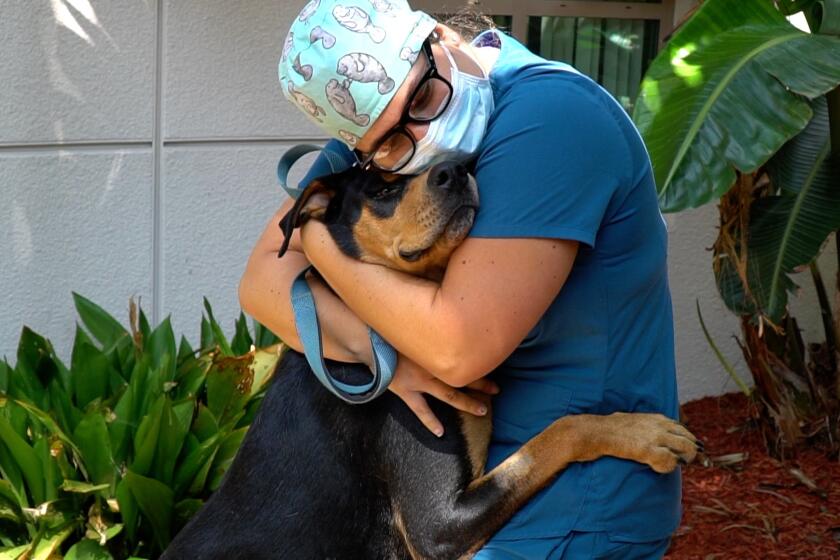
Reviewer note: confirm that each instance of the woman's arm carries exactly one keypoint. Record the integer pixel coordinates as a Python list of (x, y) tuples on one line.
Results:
[(264, 294), (493, 293)]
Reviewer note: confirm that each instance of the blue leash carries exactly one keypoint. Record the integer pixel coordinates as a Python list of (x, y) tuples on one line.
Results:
[(306, 316)]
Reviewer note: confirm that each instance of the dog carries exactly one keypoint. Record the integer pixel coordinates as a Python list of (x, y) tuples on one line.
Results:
[(317, 478)]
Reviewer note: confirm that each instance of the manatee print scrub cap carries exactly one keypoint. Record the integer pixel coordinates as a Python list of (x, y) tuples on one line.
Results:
[(343, 61)]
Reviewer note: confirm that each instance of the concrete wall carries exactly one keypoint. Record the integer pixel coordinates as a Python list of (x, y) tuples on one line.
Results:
[(138, 141)]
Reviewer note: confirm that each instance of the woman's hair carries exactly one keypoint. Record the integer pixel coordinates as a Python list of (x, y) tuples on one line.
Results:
[(468, 21)]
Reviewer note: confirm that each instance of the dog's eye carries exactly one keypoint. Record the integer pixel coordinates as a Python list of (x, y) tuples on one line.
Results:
[(385, 192), (410, 256)]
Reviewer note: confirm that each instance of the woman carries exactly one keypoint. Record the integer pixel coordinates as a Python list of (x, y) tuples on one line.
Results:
[(560, 290)]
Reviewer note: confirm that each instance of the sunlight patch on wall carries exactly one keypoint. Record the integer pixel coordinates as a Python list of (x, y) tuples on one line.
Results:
[(116, 167), (64, 17)]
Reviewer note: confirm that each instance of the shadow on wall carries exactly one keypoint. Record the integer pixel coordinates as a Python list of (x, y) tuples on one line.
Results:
[(75, 159)]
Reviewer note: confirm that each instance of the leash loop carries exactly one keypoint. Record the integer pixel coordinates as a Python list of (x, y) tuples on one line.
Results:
[(306, 316)]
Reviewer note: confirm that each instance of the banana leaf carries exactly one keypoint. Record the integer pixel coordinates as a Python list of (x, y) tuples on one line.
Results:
[(733, 84), (788, 230)]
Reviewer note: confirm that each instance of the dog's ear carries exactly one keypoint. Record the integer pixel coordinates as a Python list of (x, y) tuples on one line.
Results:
[(311, 204)]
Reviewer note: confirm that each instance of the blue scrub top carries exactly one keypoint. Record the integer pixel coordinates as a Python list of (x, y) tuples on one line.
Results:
[(561, 159)]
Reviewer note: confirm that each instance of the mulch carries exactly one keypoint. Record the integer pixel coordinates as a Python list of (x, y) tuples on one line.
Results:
[(740, 503)]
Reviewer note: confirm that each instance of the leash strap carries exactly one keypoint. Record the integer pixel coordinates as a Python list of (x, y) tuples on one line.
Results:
[(309, 331), (306, 316), (336, 162)]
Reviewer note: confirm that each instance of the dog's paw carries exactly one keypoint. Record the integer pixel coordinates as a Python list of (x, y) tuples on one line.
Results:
[(656, 440)]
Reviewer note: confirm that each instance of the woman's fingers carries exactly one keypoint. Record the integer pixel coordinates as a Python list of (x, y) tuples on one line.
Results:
[(455, 398), (485, 386), (418, 405)]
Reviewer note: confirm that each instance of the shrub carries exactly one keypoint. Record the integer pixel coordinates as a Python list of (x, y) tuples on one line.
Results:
[(110, 456)]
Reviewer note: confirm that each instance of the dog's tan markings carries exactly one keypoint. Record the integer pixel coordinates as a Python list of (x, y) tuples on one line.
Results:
[(417, 223), (476, 430), (399, 525)]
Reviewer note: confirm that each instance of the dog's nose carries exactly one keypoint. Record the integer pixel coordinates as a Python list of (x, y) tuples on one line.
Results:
[(448, 175)]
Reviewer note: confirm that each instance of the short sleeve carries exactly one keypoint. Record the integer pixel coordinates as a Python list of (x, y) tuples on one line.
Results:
[(554, 156), (341, 158)]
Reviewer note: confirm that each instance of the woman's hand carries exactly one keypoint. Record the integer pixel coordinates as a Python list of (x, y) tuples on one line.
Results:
[(410, 382)]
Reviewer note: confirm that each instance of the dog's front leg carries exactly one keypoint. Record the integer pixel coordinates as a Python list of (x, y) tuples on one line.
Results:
[(464, 524)]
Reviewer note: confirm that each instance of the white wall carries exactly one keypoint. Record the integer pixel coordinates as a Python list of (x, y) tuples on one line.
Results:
[(138, 142)]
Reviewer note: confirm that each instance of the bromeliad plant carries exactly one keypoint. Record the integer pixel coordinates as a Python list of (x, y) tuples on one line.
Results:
[(743, 107), (109, 457)]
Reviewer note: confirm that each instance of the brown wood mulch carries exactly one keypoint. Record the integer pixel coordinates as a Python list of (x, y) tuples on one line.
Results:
[(743, 504)]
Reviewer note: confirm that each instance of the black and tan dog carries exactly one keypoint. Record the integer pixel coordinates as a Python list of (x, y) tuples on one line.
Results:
[(317, 478)]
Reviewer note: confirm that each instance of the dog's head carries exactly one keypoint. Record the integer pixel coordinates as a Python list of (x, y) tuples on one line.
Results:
[(410, 223)]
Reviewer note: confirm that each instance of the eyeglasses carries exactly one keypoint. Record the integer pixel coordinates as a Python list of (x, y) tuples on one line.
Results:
[(427, 102)]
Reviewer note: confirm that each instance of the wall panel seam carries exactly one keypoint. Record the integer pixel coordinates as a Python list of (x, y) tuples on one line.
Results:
[(157, 224)]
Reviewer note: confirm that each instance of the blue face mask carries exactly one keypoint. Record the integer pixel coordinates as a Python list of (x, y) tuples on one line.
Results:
[(457, 133)]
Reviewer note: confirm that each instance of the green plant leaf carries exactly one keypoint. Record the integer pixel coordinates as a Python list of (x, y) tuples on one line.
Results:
[(788, 230), (197, 460), (25, 458), (50, 424), (263, 337), (52, 476), (91, 371), (186, 509), (174, 425), (128, 509), (10, 504), (185, 351), (119, 429), (5, 374), (63, 410), (13, 553), (143, 321), (146, 439), (155, 501), (12, 473), (91, 437), (190, 377), (104, 328), (229, 384), (207, 340), (263, 366), (79, 487), (161, 347), (218, 334), (49, 545), (35, 367), (87, 549), (250, 411), (729, 89), (241, 341), (224, 457), (144, 391), (205, 425)]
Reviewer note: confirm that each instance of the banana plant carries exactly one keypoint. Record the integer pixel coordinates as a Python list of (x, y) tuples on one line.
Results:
[(730, 89), (110, 456), (743, 108)]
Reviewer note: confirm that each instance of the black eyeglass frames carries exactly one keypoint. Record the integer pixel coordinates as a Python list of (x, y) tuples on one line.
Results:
[(427, 102)]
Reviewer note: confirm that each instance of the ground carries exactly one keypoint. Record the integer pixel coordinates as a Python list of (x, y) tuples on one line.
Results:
[(754, 507)]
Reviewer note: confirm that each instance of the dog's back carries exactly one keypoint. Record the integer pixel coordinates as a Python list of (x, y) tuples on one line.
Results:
[(315, 477)]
